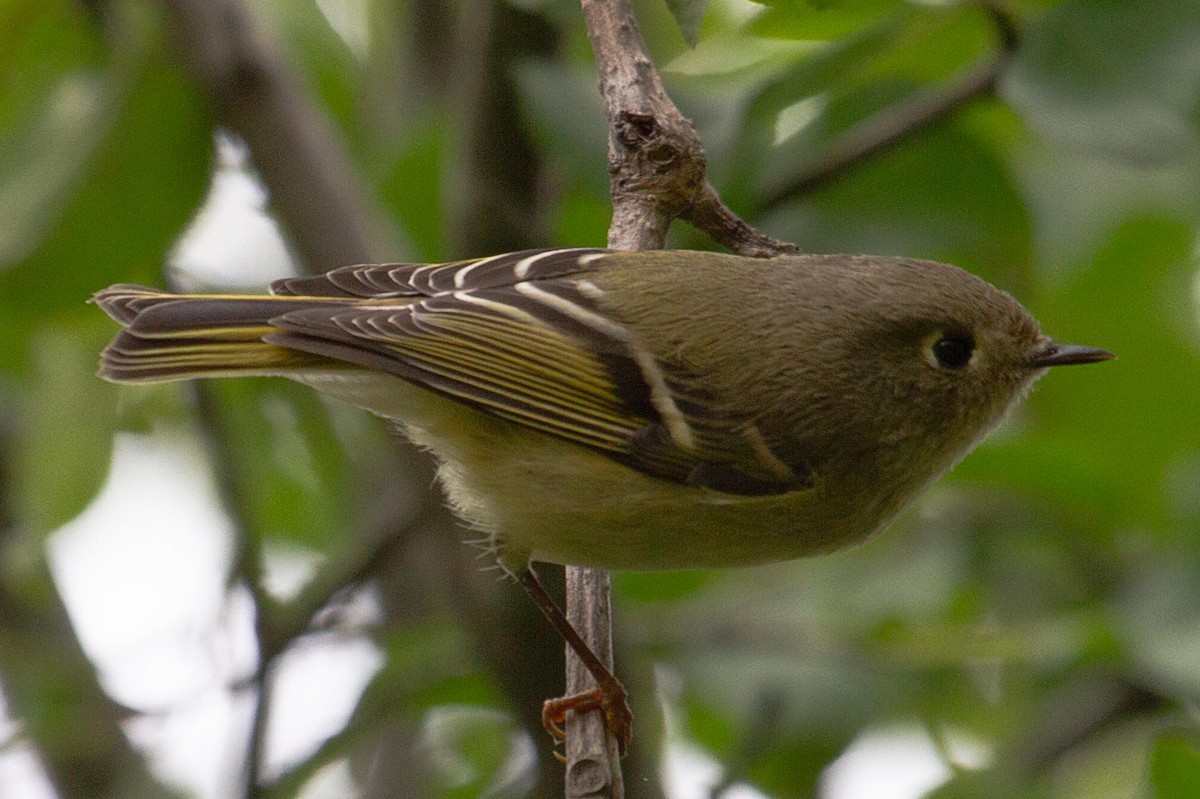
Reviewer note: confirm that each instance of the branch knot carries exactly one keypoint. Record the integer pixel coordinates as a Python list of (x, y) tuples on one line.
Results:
[(656, 159)]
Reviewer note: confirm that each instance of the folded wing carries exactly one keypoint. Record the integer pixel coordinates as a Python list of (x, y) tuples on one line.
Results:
[(521, 336)]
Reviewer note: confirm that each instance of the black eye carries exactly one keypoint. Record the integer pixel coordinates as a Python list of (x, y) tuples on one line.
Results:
[(953, 352)]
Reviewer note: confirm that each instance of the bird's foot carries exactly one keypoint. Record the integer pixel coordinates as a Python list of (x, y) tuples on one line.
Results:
[(610, 699)]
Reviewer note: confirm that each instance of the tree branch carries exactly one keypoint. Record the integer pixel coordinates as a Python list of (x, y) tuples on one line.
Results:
[(247, 565), (312, 184), (655, 158), (658, 173), (657, 164), (328, 219), (593, 759), (893, 126), (712, 216), (51, 686)]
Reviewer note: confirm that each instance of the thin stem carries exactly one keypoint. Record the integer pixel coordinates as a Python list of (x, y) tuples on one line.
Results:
[(599, 671), (891, 127)]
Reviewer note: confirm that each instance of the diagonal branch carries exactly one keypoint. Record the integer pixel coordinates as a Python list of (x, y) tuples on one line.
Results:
[(327, 217), (889, 128), (312, 184), (715, 218)]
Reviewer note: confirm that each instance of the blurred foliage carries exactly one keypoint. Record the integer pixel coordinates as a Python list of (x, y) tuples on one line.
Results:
[(1042, 601)]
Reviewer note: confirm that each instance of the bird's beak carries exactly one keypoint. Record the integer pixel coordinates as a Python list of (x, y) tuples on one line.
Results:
[(1051, 353)]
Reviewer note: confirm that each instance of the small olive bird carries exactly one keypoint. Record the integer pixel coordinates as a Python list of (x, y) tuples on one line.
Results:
[(635, 410)]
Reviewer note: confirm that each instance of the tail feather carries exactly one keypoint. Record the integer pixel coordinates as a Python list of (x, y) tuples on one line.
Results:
[(176, 336), (124, 301)]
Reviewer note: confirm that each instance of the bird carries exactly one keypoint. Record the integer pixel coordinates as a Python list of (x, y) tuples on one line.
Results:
[(635, 410)]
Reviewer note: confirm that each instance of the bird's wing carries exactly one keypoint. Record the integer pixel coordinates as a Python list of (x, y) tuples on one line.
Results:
[(386, 281), (523, 337)]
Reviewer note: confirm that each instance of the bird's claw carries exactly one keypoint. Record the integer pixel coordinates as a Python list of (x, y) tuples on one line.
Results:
[(611, 700)]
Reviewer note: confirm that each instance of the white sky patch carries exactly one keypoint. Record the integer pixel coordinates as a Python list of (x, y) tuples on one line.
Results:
[(897, 763), (317, 687), (739, 10), (797, 116), (351, 21), (690, 773), (233, 241), (199, 745), (286, 569), (141, 570), (332, 782), (21, 776)]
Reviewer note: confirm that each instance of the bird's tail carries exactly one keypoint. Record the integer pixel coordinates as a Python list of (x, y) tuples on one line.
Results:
[(176, 336)]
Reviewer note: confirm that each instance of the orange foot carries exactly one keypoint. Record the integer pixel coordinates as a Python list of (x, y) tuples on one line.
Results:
[(618, 718)]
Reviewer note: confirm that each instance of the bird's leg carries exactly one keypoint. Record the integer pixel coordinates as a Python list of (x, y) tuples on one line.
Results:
[(609, 694)]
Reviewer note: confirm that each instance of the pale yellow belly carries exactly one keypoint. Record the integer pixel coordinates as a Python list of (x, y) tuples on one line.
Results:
[(539, 498)]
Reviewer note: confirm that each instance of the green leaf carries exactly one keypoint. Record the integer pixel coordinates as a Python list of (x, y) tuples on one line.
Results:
[(661, 586), (1111, 762), (825, 68), (822, 19), (45, 155), (811, 109), (67, 417), (1175, 767), (777, 720), (289, 468), (791, 765), (40, 42), (134, 158), (567, 117), (427, 664), (314, 51), (412, 189), (688, 14), (946, 195), (53, 98), (802, 82), (997, 783), (1105, 438), (474, 754), (940, 42), (1115, 77), (581, 218)]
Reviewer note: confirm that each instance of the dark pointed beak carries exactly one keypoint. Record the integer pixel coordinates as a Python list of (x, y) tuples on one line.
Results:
[(1054, 354)]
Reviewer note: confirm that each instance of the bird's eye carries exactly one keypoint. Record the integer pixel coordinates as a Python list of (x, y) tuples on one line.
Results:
[(953, 352)]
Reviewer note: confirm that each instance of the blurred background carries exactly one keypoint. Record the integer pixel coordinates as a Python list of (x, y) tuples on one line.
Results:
[(238, 589)]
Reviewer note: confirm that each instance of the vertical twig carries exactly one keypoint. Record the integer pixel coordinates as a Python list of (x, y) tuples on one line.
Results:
[(655, 158), (657, 167), (593, 761)]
